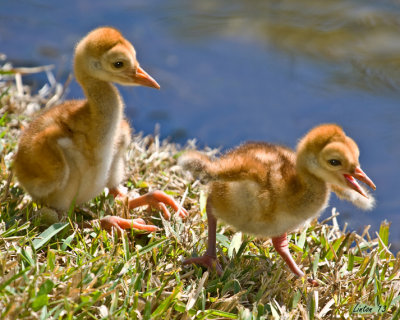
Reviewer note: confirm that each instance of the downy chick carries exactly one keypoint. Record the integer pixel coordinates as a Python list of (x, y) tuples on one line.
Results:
[(76, 149), (268, 190)]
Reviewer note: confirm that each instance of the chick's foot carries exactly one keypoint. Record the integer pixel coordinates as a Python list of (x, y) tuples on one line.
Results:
[(207, 261), (120, 224)]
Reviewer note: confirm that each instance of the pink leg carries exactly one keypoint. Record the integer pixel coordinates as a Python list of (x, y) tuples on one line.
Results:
[(156, 199), (109, 222), (281, 246), (209, 259)]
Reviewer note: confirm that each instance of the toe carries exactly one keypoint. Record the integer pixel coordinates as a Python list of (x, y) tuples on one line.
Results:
[(183, 213), (164, 209), (119, 223)]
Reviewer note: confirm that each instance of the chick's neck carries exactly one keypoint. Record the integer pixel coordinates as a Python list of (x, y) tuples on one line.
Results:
[(312, 190), (104, 102)]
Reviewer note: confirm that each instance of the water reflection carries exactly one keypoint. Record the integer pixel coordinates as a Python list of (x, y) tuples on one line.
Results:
[(360, 40)]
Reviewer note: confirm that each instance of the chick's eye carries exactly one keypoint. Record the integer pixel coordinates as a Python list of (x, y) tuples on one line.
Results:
[(334, 162), (118, 64)]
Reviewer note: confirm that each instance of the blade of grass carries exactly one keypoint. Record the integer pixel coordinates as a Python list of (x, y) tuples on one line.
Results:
[(48, 234)]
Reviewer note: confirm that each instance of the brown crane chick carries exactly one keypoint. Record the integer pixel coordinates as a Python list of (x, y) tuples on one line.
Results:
[(268, 190), (76, 149)]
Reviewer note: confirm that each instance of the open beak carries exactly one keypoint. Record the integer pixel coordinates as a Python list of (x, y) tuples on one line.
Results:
[(361, 176), (142, 78)]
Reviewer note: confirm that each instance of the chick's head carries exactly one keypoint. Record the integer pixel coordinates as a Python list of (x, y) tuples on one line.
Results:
[(106, 55), (330, 155)]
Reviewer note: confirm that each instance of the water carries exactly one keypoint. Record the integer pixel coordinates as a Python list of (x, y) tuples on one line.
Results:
[(235, 70)]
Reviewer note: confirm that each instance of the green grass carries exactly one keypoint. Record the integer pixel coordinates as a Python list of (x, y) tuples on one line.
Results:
[(66, 271)]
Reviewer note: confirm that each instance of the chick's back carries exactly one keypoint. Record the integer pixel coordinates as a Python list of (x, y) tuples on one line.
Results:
[(248, 186)]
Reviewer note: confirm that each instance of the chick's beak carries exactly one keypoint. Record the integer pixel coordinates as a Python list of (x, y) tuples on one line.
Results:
[(361, 176), (142, 78)]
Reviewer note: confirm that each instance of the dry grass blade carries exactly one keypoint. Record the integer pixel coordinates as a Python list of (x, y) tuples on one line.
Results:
[(31, 70)]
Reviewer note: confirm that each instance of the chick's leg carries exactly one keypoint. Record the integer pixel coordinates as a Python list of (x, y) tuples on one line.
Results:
[(209, 259), (116, 174), (156, 199), (281, 246)]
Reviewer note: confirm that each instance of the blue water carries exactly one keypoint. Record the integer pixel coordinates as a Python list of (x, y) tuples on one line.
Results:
[(237, 70)]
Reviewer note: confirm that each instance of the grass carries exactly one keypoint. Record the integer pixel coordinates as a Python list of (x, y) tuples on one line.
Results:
[(65, 271)]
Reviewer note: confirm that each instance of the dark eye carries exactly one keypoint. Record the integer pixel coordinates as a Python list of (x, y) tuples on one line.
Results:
[(334, 162), (118, 64)]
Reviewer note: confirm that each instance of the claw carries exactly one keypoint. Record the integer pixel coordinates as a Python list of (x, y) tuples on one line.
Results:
[(164, 209), (313, 283)]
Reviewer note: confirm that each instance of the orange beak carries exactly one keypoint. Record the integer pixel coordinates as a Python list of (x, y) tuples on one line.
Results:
[(361, 176), (142, 78)]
